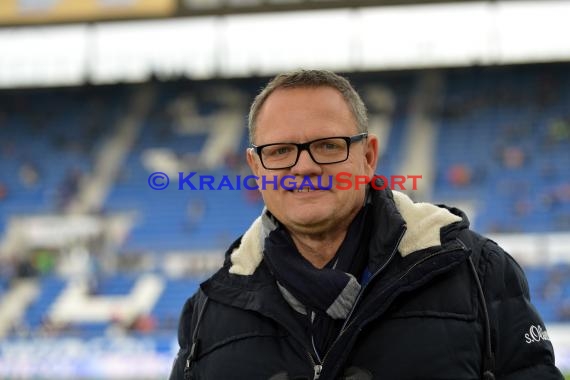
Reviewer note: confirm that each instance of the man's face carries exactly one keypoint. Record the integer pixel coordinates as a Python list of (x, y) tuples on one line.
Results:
[(300, 115)]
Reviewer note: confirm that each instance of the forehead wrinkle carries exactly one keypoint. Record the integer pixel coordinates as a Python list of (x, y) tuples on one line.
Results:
[(287, 110)]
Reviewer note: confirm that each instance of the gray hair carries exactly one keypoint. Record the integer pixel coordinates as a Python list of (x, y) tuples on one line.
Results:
[(311, 78)]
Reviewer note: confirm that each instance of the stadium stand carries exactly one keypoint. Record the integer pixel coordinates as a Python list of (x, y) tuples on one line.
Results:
[(503, 141), (36, 319), (48, 141)]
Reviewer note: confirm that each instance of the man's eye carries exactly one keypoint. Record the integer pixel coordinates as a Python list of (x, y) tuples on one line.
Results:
[(278, 151), (328, 146), (332, 146)]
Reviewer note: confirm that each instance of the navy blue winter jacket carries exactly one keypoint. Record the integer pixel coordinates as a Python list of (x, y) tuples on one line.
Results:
[(442, 303)]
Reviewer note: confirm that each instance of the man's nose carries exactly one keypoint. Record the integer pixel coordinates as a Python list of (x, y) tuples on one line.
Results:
[(305, 165)]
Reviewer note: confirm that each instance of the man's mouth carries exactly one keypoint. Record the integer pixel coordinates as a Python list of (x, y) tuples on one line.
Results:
[(306, 189)]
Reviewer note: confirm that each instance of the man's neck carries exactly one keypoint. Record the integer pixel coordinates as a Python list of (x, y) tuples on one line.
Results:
[(319, 249)]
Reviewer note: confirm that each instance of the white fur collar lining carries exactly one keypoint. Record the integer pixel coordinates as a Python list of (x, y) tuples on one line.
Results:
[(424, 222)]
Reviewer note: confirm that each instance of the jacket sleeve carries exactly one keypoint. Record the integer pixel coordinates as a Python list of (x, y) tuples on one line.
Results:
[(184, 334), (520, 341)]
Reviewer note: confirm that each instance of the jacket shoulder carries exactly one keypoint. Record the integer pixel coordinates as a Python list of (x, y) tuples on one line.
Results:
[(501, 276)]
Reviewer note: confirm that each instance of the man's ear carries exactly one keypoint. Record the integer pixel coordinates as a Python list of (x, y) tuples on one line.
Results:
[(371, 154), (253, 161)]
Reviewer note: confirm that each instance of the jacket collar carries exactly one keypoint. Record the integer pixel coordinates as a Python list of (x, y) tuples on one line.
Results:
[(392, 212)]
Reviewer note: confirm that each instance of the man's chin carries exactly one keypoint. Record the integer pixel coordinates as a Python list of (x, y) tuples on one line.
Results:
[(311, 223)]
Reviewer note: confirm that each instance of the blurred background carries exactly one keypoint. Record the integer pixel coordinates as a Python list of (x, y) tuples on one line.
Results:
[(95, 95)]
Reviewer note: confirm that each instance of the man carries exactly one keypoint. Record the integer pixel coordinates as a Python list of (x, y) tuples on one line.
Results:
[(358, 283)]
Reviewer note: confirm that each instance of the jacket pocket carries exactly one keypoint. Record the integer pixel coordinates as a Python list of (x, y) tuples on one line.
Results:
[(235, 339), (452, 295), (246, 355)]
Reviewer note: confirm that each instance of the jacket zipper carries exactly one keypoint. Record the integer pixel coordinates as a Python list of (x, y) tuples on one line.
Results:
[(374, 275), (195, 341), (345, 324), (317, 368), (317, 365)]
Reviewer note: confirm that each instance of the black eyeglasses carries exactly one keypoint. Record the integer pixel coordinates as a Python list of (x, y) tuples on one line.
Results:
[(329, 150)]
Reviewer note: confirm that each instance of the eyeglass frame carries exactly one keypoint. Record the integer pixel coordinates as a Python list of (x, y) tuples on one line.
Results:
[(305, 146)]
